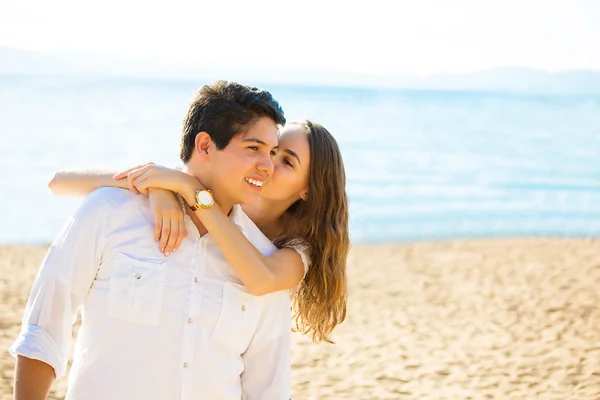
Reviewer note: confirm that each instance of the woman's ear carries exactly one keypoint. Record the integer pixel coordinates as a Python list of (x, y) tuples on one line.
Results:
[(202, 145), (304, 195)]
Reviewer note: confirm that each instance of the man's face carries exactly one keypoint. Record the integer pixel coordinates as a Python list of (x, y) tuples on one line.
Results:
[(241, 168)]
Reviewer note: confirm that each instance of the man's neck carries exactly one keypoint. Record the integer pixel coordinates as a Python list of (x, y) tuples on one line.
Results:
[(267, 215), (206, 182)]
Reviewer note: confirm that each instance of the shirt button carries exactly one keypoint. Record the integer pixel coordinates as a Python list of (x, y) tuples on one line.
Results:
[(138, 275), (190, 320), (243, 308), (185, 365), (195, 279)]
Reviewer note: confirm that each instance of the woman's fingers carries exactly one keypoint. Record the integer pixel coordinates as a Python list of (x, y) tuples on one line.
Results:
[(157, 225), (140, 183), (165, 232), (182, 232), (138, 176), (132, 187), (123, 174), (169, 248), (167, 209), (177, 233)]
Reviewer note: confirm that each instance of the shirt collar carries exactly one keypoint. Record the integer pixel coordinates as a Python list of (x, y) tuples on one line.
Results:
[(236, 217)]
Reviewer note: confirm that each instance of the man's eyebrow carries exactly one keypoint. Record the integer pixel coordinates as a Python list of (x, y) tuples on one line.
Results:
[(255, 140), (293, 154)]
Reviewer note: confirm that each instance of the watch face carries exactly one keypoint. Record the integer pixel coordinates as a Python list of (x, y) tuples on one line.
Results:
[(204, 198)]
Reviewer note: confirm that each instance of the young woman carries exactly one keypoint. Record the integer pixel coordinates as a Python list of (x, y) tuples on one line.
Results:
[(302, 208)]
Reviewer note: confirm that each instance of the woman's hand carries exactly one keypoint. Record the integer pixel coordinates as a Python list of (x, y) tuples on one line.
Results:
[(169, 222), (140, 179), (125, 174), (161, 184)]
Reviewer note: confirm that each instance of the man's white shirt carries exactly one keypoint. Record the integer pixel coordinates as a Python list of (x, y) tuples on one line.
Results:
[(153, 327)]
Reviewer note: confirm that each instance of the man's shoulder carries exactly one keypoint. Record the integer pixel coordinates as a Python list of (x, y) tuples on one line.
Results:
[(103, 199), (114, 196), (117, 201)]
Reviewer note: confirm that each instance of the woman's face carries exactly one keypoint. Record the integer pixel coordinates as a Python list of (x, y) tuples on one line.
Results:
[(291, 160)]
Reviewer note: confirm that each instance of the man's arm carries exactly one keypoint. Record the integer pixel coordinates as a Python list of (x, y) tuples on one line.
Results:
[(61, 286), (33, 379), (267, 372)]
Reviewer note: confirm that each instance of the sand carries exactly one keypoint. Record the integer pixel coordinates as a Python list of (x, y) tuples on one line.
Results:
[(490, 319)]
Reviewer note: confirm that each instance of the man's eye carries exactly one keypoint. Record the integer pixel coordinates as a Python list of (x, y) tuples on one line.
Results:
[(253, 148), (272, 152)]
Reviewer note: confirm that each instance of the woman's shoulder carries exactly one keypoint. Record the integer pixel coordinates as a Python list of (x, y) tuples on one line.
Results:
[(303, 248)]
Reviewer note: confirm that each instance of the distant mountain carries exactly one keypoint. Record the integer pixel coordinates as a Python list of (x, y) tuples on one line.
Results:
[(507, 79), (81, 63)]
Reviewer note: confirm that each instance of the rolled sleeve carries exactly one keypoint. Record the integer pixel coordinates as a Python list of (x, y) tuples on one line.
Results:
[(36, 343), (61, 286)]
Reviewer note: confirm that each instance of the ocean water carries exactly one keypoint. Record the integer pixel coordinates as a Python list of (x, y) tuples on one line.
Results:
[(421, 165)]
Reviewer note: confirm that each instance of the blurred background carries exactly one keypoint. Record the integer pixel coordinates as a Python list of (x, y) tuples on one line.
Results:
[(456, 119)]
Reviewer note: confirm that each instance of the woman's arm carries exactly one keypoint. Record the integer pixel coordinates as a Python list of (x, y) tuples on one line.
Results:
[(169, 226), (261, 274), (80, 183)]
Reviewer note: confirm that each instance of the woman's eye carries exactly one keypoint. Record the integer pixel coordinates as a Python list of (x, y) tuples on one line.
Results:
[(272, 152), (253, 148), (287, 162)]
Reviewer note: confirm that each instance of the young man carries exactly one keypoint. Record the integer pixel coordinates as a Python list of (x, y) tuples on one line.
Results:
[(162, 328)]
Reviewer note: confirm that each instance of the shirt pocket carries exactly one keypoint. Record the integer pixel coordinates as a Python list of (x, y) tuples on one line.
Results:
[(136, 289), (238, 318)]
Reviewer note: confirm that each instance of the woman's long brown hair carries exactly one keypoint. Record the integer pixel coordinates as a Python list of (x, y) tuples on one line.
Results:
[(321, 223)]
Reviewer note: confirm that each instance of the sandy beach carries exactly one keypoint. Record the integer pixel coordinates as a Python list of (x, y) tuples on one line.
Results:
[(486, 319)]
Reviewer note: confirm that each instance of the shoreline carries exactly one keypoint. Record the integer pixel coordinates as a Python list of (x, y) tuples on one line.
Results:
[(432, 240)]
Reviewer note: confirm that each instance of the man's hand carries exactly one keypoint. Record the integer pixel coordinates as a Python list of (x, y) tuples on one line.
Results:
[(33, 379)]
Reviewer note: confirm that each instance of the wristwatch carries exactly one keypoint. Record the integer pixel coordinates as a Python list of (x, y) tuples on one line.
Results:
[(204, 199)]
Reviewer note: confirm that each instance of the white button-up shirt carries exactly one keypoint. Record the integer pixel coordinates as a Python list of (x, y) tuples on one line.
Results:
[(153, 327)]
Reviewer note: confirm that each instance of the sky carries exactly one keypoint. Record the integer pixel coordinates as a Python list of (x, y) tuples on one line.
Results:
[(419, 37)]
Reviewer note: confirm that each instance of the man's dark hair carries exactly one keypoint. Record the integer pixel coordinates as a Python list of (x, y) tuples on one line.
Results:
[(224, 110)]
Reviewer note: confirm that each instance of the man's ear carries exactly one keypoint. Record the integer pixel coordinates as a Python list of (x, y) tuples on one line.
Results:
[(202, 145)]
